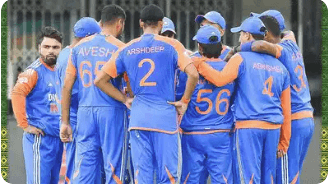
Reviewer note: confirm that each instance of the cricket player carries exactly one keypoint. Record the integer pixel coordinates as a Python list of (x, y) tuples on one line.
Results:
[(100, 118), (36, 110), (86, 26), (208, 120), (262, 106), (287, 51), (150, 62)]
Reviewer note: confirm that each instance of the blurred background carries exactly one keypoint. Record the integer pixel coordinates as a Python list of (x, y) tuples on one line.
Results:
[(27, 17)]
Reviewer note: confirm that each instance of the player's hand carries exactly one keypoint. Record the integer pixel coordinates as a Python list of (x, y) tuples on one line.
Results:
[(197, 60), (34, 130), (229, 55), (128, 102), (181, 107), (65, 133), (280, 153)]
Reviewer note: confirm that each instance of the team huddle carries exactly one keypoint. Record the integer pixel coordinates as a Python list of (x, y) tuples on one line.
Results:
[(236, 115)]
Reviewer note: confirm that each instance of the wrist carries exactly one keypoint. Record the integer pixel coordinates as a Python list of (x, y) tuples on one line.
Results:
[(184, 100), (246, 46)]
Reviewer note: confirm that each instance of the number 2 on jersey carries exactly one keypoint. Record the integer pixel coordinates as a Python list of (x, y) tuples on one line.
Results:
[(268, 86), (151, 70)]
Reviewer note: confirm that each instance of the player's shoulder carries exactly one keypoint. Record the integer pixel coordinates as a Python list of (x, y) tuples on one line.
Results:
[(173, 42), (116, 42), (85, 40), (35, 65)]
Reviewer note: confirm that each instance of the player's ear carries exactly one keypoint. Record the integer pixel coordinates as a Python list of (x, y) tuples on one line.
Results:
[(141, 23), (100, 23), (222, 32)]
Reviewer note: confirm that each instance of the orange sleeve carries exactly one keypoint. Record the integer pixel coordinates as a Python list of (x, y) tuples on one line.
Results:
[(278, 51), (71, 69), (183, 56), (126, 77), (220, 78), (285, 133), (25, 83), (110, 66)]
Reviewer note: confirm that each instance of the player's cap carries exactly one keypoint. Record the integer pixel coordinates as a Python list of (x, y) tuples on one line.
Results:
[(86, 26), (275, 14), (212, 16), (208, 35), (252, 25), (151, 13), (168, 25)]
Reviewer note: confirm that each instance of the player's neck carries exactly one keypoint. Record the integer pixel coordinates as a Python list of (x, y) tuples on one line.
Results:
[(150, 30), (109, 31), (274, 40)]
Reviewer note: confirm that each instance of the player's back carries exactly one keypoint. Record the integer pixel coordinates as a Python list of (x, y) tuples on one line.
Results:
[(261, 81), (150, 62), (292, 59), (209, 105), (88, 56)]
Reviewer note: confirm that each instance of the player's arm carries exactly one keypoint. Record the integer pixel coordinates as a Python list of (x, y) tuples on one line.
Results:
[(289, 35), (261, 46), (24, 85), (285, 132), (69, 80), (192, 80), (128, 85), (220, 78), (109, 71)]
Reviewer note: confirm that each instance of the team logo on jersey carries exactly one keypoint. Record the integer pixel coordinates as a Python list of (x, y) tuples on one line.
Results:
[(53, 108), (22, 80)]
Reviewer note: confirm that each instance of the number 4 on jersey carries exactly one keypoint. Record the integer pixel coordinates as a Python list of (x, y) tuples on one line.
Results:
[(268, 86)]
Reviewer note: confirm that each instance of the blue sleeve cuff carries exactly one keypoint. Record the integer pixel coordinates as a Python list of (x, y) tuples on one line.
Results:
[(246, 46)]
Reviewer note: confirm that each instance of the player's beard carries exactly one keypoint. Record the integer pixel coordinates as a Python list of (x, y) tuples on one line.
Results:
[(50, 60)]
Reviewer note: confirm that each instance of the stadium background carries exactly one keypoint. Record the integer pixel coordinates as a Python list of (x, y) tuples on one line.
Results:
[(27, 17)]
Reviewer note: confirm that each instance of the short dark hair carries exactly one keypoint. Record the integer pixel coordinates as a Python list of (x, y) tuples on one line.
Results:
[(258, 37), (168, 33), (50, 32), (272, 25), (211, 50), (152, 13), (111, 13)]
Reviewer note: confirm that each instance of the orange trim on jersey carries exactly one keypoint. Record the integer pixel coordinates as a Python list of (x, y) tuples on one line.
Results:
[(183, 57), (172, 179), (86, 39), (114, 176), (67, 180), (25, 83), (302, 115), (48, 67), (116, 42), (207, 132), (252, 178), (295, 179), (256, 124), (224, 178), (154, 130), (136, 178), (186, 178), (219, 78), (71, 69), (126, 77), (285, 132), (110, 66), (278, 51)]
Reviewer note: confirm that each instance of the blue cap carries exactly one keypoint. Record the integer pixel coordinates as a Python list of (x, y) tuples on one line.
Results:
[(86, 26), (212, 16), (168, 25), (252, 25), (205, 32), (275, 14)]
